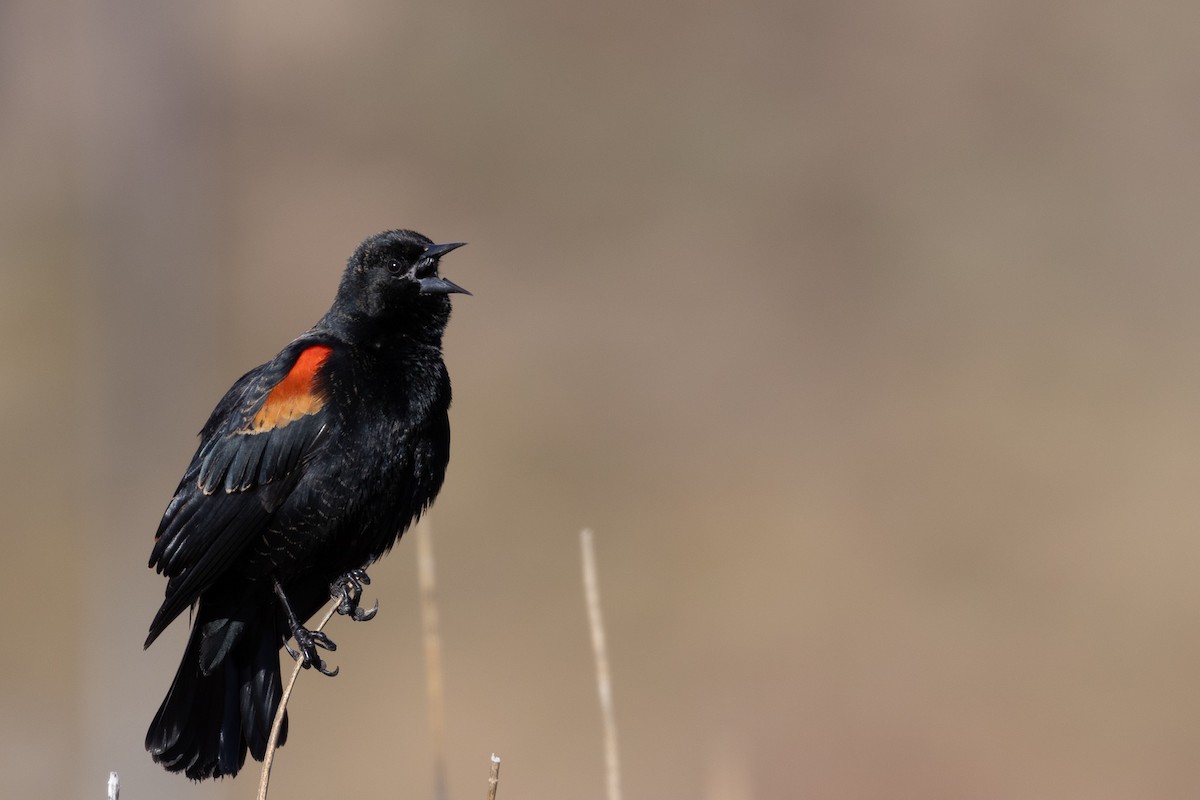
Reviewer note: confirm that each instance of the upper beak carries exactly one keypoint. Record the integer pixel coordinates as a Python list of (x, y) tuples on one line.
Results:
[(436, 284), (439, 250)]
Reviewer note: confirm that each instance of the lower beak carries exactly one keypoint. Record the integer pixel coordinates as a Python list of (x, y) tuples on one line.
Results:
[(439, 285)]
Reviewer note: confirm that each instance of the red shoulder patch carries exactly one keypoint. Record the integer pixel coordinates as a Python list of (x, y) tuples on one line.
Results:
[(295, 396)]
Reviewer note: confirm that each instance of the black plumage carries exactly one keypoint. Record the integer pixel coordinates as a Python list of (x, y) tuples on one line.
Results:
[(310, 467)]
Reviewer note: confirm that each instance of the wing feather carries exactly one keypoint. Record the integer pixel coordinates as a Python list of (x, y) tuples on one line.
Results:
[(251, 457)]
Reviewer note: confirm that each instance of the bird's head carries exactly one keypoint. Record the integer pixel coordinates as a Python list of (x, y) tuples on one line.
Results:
[(393, 279)]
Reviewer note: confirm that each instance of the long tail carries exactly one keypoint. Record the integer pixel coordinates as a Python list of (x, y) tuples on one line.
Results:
[(223, 699)]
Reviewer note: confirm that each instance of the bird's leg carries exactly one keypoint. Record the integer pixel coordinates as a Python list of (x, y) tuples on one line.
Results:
[(349, 589), (307, 641)]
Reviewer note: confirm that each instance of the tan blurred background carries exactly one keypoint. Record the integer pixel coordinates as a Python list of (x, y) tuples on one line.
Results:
[(863, 335)]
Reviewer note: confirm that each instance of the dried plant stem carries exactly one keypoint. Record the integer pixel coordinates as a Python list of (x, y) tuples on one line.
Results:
[(591, 591), (273, 741), (494, 777), (433, 656)]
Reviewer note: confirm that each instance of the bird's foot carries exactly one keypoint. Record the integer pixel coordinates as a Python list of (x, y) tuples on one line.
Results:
[(349, 589), (307, 643)]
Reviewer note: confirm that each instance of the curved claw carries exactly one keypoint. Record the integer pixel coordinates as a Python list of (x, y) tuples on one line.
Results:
[(306, 652), (295, 654), (323, 669), (348, 590), (361, 614)]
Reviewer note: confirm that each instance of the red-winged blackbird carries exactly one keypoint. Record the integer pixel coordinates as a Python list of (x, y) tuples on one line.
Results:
[(308, 470)]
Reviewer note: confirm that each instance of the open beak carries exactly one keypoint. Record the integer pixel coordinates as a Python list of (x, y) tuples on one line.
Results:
[(435, 284)]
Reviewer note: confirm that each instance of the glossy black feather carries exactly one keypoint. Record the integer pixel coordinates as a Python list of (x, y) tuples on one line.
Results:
[(300, 493), (236, 481)]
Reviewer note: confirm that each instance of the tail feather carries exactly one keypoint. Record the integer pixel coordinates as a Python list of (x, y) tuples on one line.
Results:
[(208, 720), (260, 692)]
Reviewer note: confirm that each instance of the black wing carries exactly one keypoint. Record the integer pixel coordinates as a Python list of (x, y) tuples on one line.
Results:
[(251, 455)]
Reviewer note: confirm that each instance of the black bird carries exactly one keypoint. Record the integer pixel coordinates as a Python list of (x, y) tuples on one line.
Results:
[(309, 469)]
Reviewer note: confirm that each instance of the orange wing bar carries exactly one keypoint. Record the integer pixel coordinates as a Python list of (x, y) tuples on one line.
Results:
[(295, 396)]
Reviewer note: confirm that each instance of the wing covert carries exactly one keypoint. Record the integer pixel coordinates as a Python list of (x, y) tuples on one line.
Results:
[(249, 460)]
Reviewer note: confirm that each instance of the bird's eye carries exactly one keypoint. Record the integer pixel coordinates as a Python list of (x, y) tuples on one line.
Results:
[(393, 266)]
